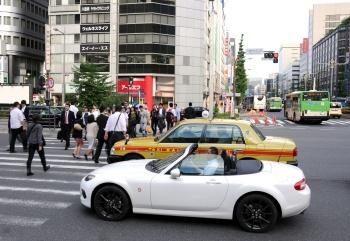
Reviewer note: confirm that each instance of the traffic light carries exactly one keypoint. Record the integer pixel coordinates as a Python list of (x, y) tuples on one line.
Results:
[(42, 82), (275, 58), (131, 80), (268, 55)]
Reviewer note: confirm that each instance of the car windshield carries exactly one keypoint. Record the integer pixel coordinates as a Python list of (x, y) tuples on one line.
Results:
[(258, 132), (159, 165)]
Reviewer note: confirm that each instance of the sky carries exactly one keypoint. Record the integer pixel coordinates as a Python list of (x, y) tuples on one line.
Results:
[(269, 23)]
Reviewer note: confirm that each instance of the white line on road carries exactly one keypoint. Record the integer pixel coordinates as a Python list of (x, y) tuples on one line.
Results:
[(34, 203), (80, 174), (21, 221), (10, 158), (38, 180), (41, 190), (52, 166), (289, 122), (47, 155)]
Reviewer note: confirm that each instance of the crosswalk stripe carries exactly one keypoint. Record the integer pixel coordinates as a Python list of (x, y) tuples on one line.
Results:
[(80, 174), (38, 180), (289, 122), (50, 160), (52, 165), (40, 190), (46, 155), (34, 203), (21, 221)]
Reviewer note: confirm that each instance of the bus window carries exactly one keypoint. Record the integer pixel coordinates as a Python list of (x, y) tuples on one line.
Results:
[(315, 96)]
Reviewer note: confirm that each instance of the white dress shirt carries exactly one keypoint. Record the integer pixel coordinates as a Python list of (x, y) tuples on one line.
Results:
[(112, 121), (16, 118), (74, 109)]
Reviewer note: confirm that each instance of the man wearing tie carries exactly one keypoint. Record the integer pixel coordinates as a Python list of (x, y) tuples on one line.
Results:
[(67, 121)]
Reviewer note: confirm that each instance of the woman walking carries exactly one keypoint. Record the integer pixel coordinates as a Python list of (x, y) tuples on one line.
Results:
[(144, 120), (133, 119), (154, 119), (36, 142), (78, 135), (91, 134)]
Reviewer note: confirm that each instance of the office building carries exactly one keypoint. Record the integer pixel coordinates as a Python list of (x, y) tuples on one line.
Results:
[(22, 42), (173, 49), (323, 18)]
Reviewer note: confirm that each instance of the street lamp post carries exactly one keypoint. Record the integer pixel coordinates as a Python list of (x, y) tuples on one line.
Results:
[(64, 66)]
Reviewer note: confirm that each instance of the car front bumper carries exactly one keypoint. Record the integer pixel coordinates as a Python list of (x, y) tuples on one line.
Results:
[(85, 193)]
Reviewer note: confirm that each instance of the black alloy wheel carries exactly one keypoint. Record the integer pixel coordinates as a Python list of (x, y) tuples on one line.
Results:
[(256, 213), (111, 203)]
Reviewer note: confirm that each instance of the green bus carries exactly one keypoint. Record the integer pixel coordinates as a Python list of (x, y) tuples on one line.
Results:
[(307, 106), (274, 104)]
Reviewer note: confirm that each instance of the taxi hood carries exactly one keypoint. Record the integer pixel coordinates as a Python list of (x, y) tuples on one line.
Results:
[(136, 141)]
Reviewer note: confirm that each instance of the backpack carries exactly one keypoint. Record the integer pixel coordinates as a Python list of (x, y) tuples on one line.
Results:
[(169, 116)]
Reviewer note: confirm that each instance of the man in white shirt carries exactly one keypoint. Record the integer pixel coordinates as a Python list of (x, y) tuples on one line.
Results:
[(115, 128), (74, 109), (178, 113), (16, 123)]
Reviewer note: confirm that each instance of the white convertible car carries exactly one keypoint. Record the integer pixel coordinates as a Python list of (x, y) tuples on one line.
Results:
[(255, 193)]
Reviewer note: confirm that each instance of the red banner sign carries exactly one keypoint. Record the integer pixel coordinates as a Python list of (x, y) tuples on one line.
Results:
[(138, 84)]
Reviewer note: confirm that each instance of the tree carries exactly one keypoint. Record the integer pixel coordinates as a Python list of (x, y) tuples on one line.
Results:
[(91, 85), (240, 74)]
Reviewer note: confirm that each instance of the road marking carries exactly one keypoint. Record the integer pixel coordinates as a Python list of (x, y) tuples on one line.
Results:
[(331, 122), (21, 221), (34, 203), (289, 122), (46, 155), (80, 174), (38, 180), (49, 160), (52, 165), (41, 190)]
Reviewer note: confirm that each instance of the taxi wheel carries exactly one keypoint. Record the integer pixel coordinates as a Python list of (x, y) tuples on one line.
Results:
[(256, 213), (111, 203), (133, 157)]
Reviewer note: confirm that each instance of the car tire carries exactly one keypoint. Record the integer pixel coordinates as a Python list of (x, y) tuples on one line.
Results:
[(256, 213), (132, 157), (111, 203)]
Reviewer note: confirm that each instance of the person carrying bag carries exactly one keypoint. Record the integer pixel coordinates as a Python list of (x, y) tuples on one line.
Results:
[(36, 142)]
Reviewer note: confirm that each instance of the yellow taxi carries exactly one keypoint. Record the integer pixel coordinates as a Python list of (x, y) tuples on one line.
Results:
[(224, 134)]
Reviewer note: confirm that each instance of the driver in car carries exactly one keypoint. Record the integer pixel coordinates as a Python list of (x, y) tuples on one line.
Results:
[(213, 164)]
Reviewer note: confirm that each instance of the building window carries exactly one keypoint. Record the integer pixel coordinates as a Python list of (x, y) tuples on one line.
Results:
[(76, 58), (16, 41), (7, 39), (23, 42), (95, 18), (7, 20), (7, 2), (16, 3), (95, 38), (16, 22), (76, 38)]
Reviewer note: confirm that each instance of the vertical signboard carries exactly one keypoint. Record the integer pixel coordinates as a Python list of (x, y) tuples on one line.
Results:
[(47, 47)]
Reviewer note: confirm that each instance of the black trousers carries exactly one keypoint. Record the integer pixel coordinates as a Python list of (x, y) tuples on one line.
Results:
[(99, 149), (66, 130), (169, 125), (154, 125), (14, 135), (31, 152)]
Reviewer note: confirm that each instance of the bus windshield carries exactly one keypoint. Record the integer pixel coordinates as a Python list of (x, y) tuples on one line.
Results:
[(315, 96)]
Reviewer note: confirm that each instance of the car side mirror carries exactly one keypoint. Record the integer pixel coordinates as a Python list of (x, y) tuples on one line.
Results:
[(175, 173)]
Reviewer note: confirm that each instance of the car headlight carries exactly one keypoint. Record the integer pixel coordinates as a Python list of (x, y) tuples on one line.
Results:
[(89, 177)]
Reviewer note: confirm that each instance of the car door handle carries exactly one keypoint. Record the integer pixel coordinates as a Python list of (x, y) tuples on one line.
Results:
[(213, 182)]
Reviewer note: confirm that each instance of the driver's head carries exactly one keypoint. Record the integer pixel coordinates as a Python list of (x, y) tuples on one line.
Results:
[(213, 150)]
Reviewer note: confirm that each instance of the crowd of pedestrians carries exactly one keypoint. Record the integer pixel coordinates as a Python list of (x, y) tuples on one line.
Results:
[(98, 126)]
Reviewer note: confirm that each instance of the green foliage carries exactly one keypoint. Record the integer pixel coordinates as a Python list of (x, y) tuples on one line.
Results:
[(240, 73), (91, 85), (115, 99), (226, 115)]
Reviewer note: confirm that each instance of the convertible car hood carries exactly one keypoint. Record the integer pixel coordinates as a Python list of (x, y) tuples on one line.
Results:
[(283, 171), (125, 167)]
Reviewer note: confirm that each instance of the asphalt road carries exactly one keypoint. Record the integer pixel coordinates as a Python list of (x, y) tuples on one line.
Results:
[(47, 207)]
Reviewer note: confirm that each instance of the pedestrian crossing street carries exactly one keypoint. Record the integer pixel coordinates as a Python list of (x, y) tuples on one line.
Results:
[(284, 123), (30, 202)]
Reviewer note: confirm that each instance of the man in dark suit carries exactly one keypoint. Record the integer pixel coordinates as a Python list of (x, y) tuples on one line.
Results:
[(67, 122), (101, 122)]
